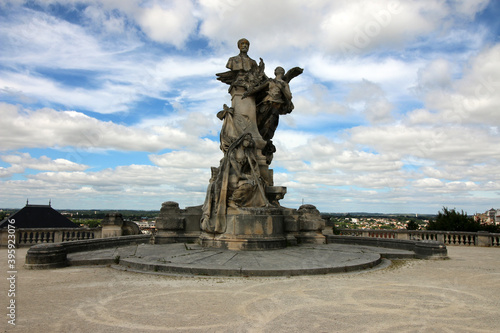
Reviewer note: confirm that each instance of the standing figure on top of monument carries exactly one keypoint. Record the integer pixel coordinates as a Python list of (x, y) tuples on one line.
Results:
[(247, 72), (243, 74)]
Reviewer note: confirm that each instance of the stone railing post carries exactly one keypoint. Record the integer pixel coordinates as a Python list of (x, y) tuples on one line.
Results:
[(4, 237), (440, 237), (402, 234), (58, 236), (112, 225), (483, 238)]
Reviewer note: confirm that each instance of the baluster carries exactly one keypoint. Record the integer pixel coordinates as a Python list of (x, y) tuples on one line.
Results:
[(42, 237)]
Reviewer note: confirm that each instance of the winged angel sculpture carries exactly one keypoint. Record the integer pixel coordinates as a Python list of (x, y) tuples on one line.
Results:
[(248, 127)]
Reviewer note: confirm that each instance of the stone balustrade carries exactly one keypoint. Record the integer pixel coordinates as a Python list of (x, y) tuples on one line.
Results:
[(458, 238), (33, 236)]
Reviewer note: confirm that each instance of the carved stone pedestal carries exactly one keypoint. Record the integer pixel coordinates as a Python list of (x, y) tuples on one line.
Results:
[(249, 229), (311, 226), (175, 225)]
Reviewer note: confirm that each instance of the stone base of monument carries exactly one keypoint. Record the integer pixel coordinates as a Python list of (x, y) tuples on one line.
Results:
[(249, 229), (169, 237), (175, 225), (310, 237)]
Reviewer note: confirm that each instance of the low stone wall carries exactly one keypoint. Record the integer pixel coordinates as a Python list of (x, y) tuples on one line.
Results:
[(422, 249), (458, 238), (45, 256)]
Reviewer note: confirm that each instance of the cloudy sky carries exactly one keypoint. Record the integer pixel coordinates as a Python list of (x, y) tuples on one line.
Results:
[(112, 104)]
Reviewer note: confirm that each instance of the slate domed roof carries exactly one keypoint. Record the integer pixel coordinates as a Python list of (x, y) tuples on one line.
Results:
[(38, 216)]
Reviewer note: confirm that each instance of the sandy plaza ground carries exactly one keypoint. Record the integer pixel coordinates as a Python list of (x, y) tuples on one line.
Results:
[(461, 294)]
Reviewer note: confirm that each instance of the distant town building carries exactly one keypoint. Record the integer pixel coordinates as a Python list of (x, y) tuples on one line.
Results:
[(145, 226), (491, 216)]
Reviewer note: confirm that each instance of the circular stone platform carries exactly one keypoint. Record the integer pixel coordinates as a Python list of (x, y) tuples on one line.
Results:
[(193, 259)]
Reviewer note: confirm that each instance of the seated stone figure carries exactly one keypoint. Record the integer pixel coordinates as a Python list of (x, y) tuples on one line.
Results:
[(238, 183), (245, 183)]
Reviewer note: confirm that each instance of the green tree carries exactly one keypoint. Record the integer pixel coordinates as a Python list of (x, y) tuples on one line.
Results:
[(91, 223), (452, 220), (412, 225)]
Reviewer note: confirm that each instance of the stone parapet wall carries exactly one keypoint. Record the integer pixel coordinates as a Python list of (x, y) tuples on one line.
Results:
[(422, 249), (45, 256), (458, 238)]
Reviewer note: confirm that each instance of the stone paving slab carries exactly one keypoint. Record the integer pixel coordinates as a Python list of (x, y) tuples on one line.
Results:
[(192, 259)]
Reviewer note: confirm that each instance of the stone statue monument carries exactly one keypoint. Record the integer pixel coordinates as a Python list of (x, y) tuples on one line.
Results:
[(241, 209)]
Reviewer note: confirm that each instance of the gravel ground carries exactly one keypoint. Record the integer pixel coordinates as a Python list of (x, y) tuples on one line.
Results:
[(461, 294)]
